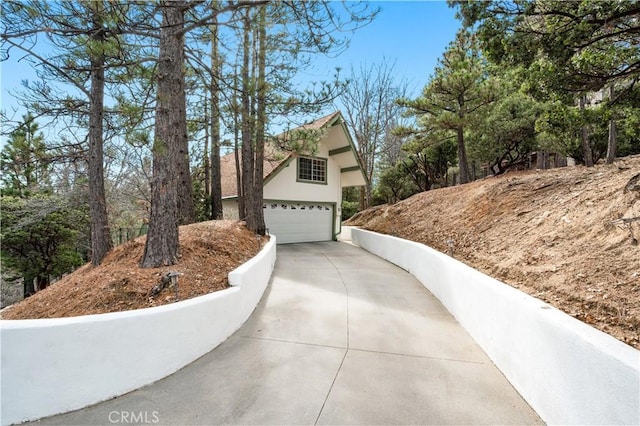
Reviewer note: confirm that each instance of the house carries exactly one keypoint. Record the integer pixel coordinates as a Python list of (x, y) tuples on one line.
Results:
[(303, 186)]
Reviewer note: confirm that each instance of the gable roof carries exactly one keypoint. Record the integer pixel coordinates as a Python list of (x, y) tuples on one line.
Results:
[(322, 122), (276, 158), (273, 158)]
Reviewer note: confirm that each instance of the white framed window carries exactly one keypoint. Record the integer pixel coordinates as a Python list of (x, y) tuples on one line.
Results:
[(312, 169)]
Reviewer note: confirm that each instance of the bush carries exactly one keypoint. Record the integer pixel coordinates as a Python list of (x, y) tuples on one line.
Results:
[(40, 237)]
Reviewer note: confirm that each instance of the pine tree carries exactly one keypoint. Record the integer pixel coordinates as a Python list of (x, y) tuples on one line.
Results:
[(86, 40), (456, 94), (24, 162), (161, 246)]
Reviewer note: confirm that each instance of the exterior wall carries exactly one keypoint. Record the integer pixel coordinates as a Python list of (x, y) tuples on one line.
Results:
[(230, 209), (345, 234), (351, 179), (51, 366), (285, 186), (338, 221), (569, 372)]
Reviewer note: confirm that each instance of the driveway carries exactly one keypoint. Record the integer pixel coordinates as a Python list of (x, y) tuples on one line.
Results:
[(340, 337)]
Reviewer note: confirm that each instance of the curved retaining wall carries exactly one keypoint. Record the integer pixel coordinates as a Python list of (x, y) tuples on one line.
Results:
[(51, 366), (569, 372)]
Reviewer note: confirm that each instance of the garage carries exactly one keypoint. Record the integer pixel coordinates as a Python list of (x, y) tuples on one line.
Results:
[(293, 222)]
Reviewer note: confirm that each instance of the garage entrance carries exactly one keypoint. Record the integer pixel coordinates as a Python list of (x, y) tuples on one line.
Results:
[(293, 222)]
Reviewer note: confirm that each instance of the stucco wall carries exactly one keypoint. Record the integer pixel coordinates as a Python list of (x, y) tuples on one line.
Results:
[(284, 186), (230, 209), (345, 234), (569, 372), (51, 366)]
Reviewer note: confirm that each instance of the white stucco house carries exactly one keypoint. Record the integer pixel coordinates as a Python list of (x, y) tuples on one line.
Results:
[(302, 187)]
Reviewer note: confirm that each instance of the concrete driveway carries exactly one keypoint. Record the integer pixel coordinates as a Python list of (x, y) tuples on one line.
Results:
[(340, 337)]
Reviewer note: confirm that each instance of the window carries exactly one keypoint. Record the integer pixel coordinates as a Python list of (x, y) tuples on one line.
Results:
[(312, 169)]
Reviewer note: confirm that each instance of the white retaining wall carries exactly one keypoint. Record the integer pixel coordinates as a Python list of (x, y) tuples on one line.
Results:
[(345, 233), (51, 366), (569, 372)]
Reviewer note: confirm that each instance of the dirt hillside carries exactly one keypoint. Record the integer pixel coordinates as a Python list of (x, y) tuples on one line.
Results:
[(208, 252), (564, 236)]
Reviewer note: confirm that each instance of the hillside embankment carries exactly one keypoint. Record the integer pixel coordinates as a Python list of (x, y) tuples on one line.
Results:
[(208, 252), (569, 236)]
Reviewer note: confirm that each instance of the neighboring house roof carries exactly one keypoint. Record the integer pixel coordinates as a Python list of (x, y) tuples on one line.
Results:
[(275, 157)]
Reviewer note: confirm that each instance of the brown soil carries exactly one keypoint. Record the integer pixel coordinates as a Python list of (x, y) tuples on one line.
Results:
[(208, 252), (557, 235)]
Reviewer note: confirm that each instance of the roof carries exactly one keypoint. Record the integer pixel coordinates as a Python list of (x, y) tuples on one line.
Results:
[(275, 157), (321, 122)]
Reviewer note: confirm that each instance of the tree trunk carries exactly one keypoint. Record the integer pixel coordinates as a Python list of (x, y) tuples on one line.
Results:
[(612, 145), (162, 238), (206, 159), (42, 282), (216, 188), (28, 288), (186, 204), (369, 156), (236, 144), (101, 241), (247, 134), (258, 226), (368, 193), (586, 148), (462, 156), (237, 151)]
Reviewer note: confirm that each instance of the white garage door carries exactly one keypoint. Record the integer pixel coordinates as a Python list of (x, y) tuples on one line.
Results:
[(299, 222)]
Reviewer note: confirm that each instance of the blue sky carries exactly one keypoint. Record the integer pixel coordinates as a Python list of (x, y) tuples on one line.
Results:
[(413, 34)]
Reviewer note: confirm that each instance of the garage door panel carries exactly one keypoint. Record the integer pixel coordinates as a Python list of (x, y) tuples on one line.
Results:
[(299, 222)]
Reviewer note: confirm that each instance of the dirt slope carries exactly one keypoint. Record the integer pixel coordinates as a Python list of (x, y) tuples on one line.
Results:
[(208, 252), (558, 235)]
